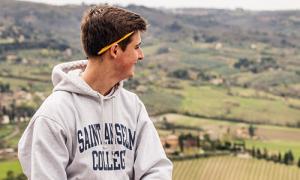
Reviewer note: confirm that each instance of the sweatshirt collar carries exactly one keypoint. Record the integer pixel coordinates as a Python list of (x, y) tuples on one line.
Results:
[(66, 77)]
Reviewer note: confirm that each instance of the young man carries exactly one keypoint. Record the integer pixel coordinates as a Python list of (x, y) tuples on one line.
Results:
[(90, 127)]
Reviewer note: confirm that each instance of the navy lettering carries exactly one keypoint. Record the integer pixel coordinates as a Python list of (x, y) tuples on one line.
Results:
[(116, 165), (118, 134), (108, 160), (111, 133), (91, 139), (131, 139), (80, 141), (87, 143), (107, 138), (95, 155), (92, 136), (122, 157)]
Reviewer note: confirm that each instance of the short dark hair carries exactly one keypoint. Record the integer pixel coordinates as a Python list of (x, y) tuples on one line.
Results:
[(102, 25)]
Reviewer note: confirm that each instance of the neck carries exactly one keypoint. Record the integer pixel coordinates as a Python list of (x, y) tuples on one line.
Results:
[(99, 76)]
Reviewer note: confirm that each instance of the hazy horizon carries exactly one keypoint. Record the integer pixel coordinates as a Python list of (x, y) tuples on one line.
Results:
[(218, 4)]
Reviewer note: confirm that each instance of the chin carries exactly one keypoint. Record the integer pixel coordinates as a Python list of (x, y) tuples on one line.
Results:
[(131, 75)]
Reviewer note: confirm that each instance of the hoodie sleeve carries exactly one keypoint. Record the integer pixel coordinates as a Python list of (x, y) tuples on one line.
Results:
[(42, 150), (150, 159)]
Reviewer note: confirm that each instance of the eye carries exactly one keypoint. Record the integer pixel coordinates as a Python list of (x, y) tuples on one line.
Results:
[(138, 46)]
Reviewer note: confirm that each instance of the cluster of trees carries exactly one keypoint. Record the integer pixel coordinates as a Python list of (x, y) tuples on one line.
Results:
[(175, 26), (31, 41), (210, 39), (287, 158), (187, 74), (49, 43), (14, 111), (13, 31), (132, 83), (207, 144), (261, 65), (163, 50), (4, 87), (180, 74), (189, 139)]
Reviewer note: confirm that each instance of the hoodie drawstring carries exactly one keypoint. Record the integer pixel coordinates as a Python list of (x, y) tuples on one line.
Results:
[(113, 122), (102, 122)]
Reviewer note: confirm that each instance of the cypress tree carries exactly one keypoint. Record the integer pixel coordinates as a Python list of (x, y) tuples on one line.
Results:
[(253, 152), (258, 154), (291, 157), (265, 154), (286, 158), (279, 157), (181, 145), (251, 130)]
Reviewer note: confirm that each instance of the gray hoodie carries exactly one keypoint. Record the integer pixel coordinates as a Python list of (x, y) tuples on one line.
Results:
[(78, 134)]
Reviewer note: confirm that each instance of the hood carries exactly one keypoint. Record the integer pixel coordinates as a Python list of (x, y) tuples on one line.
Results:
[(67, 77)]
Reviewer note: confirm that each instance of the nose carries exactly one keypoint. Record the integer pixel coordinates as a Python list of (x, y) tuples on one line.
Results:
[(141, 55)]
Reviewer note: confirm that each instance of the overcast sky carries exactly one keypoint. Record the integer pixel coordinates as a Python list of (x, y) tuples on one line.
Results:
[(227, 4)]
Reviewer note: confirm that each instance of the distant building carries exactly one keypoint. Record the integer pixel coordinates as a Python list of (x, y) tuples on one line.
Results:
[(170, 143), (242, 133), (219, 46), (68, 52), (11, 58), (253, 46), (5, 119), (190, 143), (217, 81), (172, 140), (22, 119)]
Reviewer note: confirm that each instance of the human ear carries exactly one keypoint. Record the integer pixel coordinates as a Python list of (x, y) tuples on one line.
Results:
[(114, 50)]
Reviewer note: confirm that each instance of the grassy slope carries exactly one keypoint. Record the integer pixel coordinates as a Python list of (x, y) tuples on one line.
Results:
[(214, 101), (12, 165)]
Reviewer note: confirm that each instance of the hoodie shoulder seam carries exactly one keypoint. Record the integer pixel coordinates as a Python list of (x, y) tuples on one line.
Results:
[(51, 119)]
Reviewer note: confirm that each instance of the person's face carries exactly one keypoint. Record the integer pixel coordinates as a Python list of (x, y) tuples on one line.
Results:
[(128, 58)]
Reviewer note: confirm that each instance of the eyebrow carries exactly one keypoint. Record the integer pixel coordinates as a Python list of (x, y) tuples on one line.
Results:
[(138, 44)]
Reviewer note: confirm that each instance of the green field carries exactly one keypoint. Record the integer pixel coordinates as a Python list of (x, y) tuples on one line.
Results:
[(12, 165), (233, 168), (214, 101), (232, 103)]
